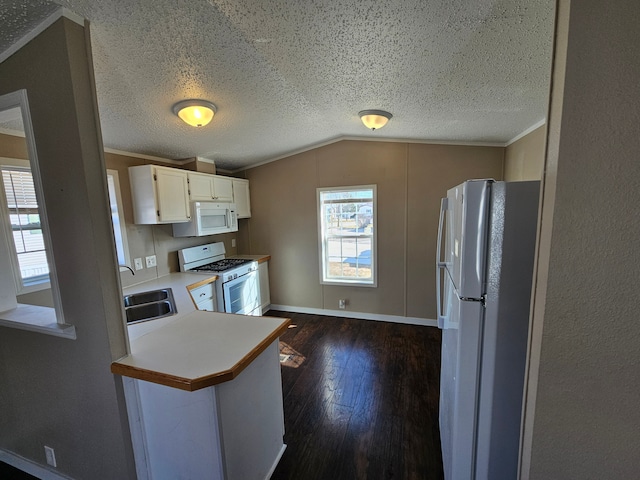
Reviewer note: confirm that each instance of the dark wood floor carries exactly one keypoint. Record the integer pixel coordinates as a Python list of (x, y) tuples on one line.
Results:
[(364, 402), (7, 472)]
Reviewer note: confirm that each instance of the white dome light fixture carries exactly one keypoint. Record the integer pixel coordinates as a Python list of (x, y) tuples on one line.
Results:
[(196, 113), (374, 119)]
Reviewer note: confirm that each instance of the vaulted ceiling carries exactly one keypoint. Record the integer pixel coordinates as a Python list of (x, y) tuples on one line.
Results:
[(287, 75)]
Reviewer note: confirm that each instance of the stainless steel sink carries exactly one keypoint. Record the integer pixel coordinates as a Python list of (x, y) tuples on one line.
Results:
[(146, 297), (143, 306)]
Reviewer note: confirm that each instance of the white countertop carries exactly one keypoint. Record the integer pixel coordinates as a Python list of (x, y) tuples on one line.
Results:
[(257, 258), (199, 350), (193, 349)]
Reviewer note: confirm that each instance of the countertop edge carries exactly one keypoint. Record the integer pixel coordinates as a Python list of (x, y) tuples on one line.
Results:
[(214, 378), (257, 258)]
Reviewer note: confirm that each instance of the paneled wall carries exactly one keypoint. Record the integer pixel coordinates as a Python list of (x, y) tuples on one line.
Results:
[(56, 391), (411, 179), (582, 415)]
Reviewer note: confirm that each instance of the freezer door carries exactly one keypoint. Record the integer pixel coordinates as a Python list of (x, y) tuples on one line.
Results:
[(459, 380), (467, 214)]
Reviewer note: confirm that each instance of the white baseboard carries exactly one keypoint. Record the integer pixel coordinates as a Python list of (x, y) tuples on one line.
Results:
[(30, 467), (425, 322)]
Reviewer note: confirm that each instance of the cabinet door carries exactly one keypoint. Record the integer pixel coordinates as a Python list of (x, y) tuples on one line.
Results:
[(241, 198), (200, 187), (172, 193), (208, 305), (222, 188)]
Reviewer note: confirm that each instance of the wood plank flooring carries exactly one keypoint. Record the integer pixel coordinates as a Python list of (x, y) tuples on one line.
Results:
[(363, 404)]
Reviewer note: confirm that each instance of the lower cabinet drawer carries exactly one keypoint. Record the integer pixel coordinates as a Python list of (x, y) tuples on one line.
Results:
[(209, 305)]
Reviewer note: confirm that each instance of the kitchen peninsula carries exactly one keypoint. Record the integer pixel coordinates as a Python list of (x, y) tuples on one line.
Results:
[(204, 396)]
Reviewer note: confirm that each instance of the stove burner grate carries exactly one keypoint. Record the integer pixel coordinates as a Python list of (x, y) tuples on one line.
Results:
[(222, 265)]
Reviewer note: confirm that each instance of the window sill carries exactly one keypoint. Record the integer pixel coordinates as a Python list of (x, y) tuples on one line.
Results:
[(34, 287), (38, 319), (348, 283)]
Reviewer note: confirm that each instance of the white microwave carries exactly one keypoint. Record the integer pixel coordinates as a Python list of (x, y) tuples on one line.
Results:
[(208, 218)]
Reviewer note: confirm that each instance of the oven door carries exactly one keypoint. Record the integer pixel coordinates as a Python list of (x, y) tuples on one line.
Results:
[(242, 295)]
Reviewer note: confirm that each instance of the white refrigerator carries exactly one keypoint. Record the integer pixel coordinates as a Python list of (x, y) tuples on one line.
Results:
[(485, 255)]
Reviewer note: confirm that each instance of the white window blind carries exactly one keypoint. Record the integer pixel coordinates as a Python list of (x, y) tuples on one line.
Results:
[(25, 226)]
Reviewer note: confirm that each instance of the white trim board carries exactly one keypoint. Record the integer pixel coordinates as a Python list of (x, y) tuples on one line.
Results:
[(424, 322), (30, 467), (526, 132), (369, 139), (41, 27), (147, 157)]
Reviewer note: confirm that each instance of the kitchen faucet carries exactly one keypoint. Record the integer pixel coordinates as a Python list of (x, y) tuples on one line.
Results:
[(130, 269)]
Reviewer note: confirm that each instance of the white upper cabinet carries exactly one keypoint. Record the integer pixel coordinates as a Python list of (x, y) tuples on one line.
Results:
[(163, 194), (241, 197), (203, 187), (160, 194), (222, 189), (200, 187)]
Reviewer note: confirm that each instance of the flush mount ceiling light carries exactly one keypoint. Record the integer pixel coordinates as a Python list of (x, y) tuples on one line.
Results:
[(196, 113), (374, 119)]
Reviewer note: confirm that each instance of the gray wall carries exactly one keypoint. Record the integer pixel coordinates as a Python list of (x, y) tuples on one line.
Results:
[(411, 179), (583, 418), (524, 158), (55, 391)]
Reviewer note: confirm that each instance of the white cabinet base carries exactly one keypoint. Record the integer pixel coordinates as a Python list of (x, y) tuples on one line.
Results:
[(265, 293), (231, 431)]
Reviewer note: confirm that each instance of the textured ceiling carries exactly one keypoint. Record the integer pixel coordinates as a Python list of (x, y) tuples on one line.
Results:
[(289, 74)]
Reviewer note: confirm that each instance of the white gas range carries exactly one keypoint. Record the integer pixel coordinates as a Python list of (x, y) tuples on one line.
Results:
[(237, 287)]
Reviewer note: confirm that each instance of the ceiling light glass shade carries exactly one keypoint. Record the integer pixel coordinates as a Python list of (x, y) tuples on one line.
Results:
[(196, 113), (374, 119)]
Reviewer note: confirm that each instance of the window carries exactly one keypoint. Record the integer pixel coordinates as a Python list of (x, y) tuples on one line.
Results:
[(119, 230), (347, 224), (26, 261), (30, 265)]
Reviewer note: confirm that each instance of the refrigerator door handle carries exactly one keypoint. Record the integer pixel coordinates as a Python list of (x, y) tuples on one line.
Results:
[(444, 204)]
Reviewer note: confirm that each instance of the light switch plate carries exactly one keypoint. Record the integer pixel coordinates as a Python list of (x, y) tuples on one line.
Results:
[(233, 242), (137, 263), (151, 261)]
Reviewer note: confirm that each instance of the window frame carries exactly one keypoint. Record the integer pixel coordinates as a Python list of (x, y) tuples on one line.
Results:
[(44, 282), (122, 230), (46, 320), (322, 238)]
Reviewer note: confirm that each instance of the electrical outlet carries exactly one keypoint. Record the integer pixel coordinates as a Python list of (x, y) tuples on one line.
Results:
[(233, 242), (51, 456), (342, 303), (137, 263), (151, 261)]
